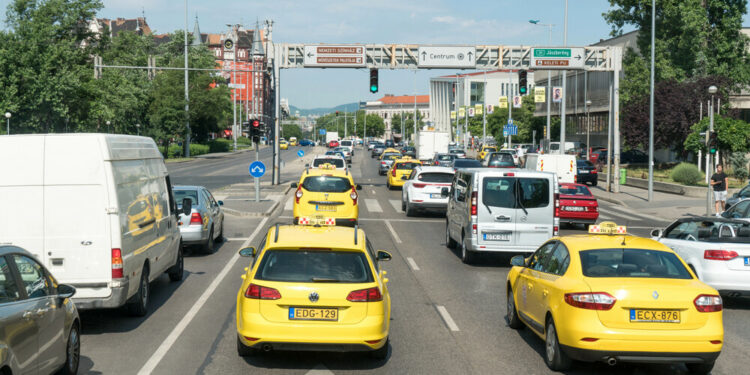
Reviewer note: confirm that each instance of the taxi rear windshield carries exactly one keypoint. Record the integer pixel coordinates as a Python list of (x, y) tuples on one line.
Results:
[(407, 166), (327, 184), (322, 266), (445, 178), (333, 161), (632, 263)]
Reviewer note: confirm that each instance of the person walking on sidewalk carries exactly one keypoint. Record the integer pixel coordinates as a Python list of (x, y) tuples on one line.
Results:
[(720, 182)]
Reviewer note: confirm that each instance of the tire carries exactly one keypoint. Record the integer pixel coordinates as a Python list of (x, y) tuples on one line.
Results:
[(388, 185), (210, 246), (403, 204), (221, 233), (244, 350), (555, 359), (467, 256), (594, 183), (512, 314), (139, 304), (409, 210), (382, 353), (449, 242), (72, 352), (700, 368), (178, 269)]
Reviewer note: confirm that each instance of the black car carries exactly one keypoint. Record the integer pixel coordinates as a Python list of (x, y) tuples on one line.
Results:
[(443, 160), (738, 196), (377, 151), (634, 157), (409, 151), (587, 173), (465, 163)]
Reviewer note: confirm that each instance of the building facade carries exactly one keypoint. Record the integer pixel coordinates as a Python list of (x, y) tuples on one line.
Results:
[(392, 105)]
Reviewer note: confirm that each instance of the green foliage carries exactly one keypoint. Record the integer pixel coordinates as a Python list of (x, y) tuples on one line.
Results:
[(331, 122), (686, 173), (220, 145), (195, 150), (738, 161), (243, 141), (291, 130), (733, 135)]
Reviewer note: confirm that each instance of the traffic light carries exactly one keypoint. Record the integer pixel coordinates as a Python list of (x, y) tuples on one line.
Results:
[(523, 82), (337, 113), (255, 131), (373, 80), (713, 142)]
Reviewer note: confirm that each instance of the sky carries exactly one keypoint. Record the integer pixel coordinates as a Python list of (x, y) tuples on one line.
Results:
[(497, 22)]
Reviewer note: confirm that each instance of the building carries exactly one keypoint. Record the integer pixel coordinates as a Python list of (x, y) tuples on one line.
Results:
[(447, 93), (392, 105), (114, 27)]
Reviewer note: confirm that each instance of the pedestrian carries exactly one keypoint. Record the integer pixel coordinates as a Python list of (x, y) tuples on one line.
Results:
[(720, 182)]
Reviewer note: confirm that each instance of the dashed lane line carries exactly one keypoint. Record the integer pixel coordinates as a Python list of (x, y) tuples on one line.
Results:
[(396, 204), (393, 232), (447, 318), (412, 264), (289, 205), (373, 205), (392, 220)]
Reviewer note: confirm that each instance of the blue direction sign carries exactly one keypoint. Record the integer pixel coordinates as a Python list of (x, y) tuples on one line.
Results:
[(257, 169), (510, 129), (301, 153), (322, 132)]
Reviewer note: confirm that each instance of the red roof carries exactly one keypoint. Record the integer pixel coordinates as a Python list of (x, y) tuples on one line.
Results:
[(404, 99)]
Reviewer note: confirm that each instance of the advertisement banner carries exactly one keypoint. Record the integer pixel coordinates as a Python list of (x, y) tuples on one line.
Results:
[(557, 94), (453, 115), (477, 109), (517, 101), (503, 102), (540, 94), (461, 112)]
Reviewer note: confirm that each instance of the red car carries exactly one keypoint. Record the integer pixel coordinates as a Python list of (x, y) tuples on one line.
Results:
[(333, 144), (577, 205)]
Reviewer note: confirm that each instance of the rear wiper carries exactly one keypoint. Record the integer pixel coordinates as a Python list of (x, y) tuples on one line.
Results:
[(488, 207), (324, 280), (518, 198)]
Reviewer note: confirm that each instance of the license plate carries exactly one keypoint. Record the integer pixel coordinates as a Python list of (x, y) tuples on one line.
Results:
[(583, 172), (436, 196), (324, 207), (303, 313), (573, 208), (747, 261), (496, 236), (654, 316)]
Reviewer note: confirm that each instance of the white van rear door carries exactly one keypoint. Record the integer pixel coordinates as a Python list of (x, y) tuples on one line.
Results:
[(496, 216), (536, 210)]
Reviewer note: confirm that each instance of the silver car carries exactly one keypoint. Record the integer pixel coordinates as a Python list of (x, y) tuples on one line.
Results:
[(386, 162), (39, 323), (205, 224)]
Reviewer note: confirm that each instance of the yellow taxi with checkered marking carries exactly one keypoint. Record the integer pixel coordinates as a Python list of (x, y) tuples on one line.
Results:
[(485, 150), (400, 171), (314, 287), (611, 297), (326, 192)]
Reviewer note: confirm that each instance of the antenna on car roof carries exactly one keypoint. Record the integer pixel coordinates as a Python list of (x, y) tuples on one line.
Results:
[(276, 235), (356, 229)]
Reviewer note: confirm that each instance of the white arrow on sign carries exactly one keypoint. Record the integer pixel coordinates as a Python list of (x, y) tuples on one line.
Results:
[(258, 169)]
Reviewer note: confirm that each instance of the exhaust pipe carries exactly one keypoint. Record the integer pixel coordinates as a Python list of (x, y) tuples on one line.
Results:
[(611, 361), (266, 348)]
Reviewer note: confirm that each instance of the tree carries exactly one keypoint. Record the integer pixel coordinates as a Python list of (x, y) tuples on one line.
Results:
[(375, 125), (733, 135), (291, 130)]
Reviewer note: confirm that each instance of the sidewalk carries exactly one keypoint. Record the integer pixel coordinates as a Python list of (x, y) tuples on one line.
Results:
[(664, 206)]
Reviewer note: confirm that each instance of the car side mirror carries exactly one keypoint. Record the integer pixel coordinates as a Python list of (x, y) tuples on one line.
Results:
[(307, 165), (65, 291), (656, 233), (221, 203), (444, 192), (518, 261), (187, 206), (248, 252), (384, 255), (359, 187), (293, 184), (404, 177)]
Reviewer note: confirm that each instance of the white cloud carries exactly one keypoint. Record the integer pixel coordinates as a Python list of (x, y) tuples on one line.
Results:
[(444, 19)]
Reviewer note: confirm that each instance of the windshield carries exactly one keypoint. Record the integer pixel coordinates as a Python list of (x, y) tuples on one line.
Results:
[(632, 263), (179, 195), (502, 192), (467, 164), (501, 160), (490, 149), (314, 266), (334, 161), (710, 231), (577, 190), (584, 163), (407, 165), (327, 184), (436, 177), (445, 157), (346, 143)]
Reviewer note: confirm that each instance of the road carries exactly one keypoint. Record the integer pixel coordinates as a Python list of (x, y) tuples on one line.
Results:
[(448, 317)]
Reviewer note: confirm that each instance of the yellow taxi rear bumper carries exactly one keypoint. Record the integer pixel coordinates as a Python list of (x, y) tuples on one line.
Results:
[(396, 181)]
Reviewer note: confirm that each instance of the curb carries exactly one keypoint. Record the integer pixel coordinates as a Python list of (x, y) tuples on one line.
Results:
[(268, 212), (612, 200)]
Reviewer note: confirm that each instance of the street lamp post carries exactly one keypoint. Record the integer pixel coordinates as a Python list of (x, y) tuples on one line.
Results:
[(549, 82), (588, 130), (651, 110), (563, 113), (7, 118), (709, 168), (138, 129), (108, 128)]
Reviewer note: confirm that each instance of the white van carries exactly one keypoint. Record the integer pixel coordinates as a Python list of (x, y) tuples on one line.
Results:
[(563, 165), (500, 210), (96, 209)]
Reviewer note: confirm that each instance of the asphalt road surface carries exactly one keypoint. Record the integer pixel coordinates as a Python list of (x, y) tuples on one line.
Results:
[(448, 317)]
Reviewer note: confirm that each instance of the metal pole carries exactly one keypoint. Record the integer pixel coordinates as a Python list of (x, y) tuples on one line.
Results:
[(549, 96), (586, 106), (234, 94), (651, 109), (415, 107), (564, 86), (257, 179), (610, 124), (277, 124), (510, 104), (616, 130), (709, 164), (187, 92), (484, 109)]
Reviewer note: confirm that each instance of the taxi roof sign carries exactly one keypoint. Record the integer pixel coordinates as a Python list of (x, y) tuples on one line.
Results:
[(608, 227)]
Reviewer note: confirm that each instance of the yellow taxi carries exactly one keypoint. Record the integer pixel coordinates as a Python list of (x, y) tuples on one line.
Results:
[(315, 288), (611, 297), (327, 192), (400, 171), (283, 145), (486, 150), (391, 150), (293, 141)]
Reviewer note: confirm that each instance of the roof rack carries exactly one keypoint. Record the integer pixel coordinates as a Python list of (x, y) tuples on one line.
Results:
[(356, 229), (276, 234)]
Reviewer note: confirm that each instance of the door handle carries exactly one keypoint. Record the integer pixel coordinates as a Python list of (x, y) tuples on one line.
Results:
[(545, 293), (147, 223), (40, 312), (27, 315)]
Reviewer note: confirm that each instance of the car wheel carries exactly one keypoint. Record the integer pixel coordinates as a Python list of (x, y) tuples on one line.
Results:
[(512, 315), (382, 353), (594, 183), (449, 242), (403, 204), (388, 185), (139, 305), (209, 246), (409, 209), (72, 352), (467, 256), (700, 368), (554, 357), (220, 237), (177, 270), (244, 350)]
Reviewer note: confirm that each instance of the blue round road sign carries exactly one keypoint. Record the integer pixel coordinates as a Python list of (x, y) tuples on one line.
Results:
[(257, 169), (301, 153)]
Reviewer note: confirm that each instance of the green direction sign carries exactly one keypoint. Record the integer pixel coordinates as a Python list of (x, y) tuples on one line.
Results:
[(552, 52), (558, 58)]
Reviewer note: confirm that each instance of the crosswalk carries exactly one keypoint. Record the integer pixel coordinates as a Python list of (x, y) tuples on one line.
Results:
[(370, 205)]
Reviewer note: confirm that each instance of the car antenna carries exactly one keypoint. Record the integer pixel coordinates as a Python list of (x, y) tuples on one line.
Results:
[(356, 229), (623, 240), (276, 234)]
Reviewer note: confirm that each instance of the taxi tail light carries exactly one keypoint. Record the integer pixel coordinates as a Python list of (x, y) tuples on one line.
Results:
[(196, 218), (117, 264), (720, 254), (353, 195), (708, 303), (298, 194), (474, 203), (416, 185), (591, 301), (365, 295), (255, 291)]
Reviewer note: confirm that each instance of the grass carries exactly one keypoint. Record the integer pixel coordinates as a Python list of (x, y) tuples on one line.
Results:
[(176, 160), (663, 175)]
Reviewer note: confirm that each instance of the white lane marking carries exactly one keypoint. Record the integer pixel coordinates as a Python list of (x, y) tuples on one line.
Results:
[(393, 220), (163, 349), (396, 204), (393, 232), (373, 205), (412, 263), (627, 215), (319, 370), (235, 239), (289, 205), (447, 318), (373, 192)]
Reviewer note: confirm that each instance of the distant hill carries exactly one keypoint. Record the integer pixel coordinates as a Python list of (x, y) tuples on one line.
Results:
[(322, 111)]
